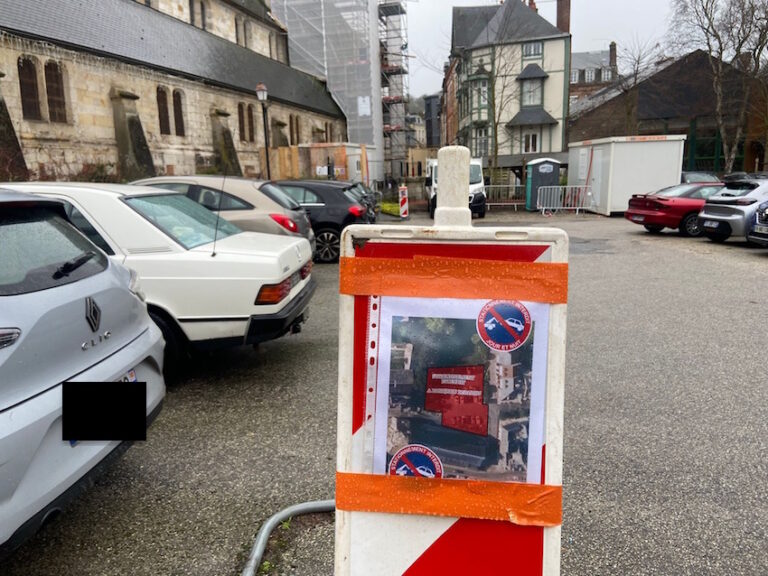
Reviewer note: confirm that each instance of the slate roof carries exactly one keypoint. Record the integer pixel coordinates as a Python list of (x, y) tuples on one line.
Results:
[(532, 71), (468, 22), (531, 117), (514, 22), (134, 33), (584, 60)]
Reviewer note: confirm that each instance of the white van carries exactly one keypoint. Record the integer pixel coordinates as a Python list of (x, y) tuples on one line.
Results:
[(477, 198)]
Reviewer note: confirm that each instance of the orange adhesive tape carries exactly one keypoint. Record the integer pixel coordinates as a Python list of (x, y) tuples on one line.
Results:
[(522, 504), (434, 277)]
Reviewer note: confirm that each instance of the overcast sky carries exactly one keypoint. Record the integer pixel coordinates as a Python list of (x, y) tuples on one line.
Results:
[(594, 23)]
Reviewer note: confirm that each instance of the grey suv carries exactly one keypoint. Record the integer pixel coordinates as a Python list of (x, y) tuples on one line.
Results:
[(67, 314)]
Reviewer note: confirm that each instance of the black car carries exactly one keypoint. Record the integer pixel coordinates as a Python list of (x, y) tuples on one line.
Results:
[(331, 206)]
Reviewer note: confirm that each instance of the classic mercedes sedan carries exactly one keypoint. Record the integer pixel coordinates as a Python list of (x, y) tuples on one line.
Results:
[(208, 284)]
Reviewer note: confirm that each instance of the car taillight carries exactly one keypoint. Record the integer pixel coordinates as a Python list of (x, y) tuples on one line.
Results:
[(745, 201), (274, 293), (285, 222), (306, 270), (357, 210), (654, 205)]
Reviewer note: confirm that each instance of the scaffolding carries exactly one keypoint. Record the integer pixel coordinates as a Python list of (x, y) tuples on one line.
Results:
[(393, 45), (336, 40)]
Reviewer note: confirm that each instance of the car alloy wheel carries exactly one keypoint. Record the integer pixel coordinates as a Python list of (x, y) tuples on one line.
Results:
[(690, 225), (328, 246)]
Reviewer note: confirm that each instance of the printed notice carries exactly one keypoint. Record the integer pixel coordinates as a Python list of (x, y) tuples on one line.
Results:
[(461, 388)]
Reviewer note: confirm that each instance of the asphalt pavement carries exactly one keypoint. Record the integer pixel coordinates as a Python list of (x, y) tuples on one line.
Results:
[(666, 420)]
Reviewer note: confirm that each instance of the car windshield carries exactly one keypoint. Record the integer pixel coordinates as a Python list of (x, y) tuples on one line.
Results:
[(183, 219), (475, 174), (41, 250), (277, 194), (676, 191), (737, 189), (356, 192), (699, 177)]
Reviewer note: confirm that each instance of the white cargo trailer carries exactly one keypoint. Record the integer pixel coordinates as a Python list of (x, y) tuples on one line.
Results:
[(615, 168)]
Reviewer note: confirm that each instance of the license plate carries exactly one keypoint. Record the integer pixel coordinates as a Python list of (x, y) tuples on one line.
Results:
[(638, 218), (761, 229), (129, 376), (711, 224)]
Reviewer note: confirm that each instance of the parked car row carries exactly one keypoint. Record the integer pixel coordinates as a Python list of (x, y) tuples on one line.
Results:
[(110, 282), (717, 210)]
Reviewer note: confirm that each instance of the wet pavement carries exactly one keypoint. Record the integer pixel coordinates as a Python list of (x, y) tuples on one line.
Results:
[(665, 430)]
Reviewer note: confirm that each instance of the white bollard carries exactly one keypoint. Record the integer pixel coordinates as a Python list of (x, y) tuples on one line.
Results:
[(453, 196)]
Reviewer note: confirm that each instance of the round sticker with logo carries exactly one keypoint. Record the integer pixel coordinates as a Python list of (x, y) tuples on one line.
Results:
[(416, 460), (504, 324)]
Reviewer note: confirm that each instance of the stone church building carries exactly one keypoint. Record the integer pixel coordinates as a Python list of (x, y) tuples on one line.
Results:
[(118, 89)]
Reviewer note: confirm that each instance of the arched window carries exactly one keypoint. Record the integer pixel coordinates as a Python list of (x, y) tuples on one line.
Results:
[(178, 112), (418, 169), (250, 123), (30, 98), (54, 86), (162, 110), (241, 121)]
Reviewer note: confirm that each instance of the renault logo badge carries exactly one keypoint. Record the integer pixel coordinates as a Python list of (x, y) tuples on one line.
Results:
[(92, 314)]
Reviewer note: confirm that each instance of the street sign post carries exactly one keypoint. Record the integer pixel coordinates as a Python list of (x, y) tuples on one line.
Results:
[(450, 416)]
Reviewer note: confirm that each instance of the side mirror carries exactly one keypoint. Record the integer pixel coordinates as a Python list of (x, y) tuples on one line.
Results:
[(428, 182)]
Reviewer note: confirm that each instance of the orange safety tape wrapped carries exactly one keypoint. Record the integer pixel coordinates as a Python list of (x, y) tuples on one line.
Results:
[(522, 504), (435, 277)]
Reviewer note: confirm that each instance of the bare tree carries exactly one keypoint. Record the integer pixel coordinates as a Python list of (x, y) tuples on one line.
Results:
[(635, 60), (734, 31)]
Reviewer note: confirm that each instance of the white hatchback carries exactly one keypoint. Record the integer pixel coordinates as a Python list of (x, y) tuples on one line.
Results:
[(207, 283)]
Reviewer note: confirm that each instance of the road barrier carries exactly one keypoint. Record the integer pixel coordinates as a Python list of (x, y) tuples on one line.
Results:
[(450, 415), (505, 195), (554, 198), (403, 196)]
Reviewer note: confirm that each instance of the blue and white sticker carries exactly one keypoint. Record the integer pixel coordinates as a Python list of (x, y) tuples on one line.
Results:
[(416, 460), (504, 324)]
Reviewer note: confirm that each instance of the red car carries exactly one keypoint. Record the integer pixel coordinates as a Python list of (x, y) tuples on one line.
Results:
[(674, 207)]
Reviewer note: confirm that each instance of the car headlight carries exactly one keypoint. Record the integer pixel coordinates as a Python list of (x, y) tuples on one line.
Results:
[(134, 285)]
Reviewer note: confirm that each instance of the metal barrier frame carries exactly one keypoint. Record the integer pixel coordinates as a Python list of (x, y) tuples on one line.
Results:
[(556, 198)]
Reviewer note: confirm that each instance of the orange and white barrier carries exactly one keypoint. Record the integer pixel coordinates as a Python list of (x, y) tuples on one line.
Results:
[(450, 416), (402, 193)]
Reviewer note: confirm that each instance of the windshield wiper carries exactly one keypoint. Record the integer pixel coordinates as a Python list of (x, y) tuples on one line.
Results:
[(71, 265)]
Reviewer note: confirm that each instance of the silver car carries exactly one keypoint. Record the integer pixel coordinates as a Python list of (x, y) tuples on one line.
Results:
[(730, 211), (67, 314), (251, 205)]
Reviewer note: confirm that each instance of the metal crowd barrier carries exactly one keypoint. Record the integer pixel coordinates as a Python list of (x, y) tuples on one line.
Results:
[(554, 198), (505, 195)]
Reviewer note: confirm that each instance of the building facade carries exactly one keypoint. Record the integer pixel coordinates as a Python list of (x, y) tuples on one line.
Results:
[(675, 96), (86, 97), (511, 73), (592, 71)]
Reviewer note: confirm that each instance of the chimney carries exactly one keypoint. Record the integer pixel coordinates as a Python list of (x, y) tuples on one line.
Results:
[(612, 57), (532, 5), (564, 15)]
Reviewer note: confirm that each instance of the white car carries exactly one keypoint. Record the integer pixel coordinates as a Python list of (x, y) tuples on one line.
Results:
[(207, 283)]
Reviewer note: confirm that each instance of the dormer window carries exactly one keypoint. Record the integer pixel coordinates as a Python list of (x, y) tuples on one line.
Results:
[(574, 76), (589, 75)]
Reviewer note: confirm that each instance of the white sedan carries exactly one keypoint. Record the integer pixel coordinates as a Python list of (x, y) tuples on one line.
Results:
[(207, 283)]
